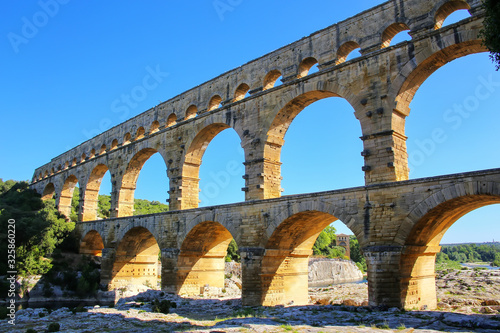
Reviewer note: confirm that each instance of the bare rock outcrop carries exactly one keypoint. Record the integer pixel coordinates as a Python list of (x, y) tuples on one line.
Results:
[(324, 272)]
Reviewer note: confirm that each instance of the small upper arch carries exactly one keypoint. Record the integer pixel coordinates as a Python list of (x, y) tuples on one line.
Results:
[(140, 133), (103, 149), (114, 144), (155, 126), (241, 92), (271, 78), (306, 65), (392, 31), (171, 120), (191, 112), (126, 138), (49, 191), (215, 103), (446, 9), (344, 51)]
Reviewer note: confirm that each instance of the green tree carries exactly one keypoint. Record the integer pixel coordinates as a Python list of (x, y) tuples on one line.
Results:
[(324, 241), (356, 254), (39, 227), (144, 207), (232, 252), (491, 31)]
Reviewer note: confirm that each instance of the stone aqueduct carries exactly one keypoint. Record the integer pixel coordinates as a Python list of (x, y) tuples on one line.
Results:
[(398, 222)]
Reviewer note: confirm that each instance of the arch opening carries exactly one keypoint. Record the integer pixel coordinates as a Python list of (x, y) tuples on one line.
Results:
[(151, 194), (306, 65), (140, 133), (126, 200), (67, 200), (191, 168), (155, 126), (455, 134), (451, 12), (49, 192), (201, 259), (285, 265), (114, 144), (221, 171), (241, 92), (395, 33), (318, 159), (127, 138), (191, 112), (92, 244), (215, 103), (418, 282), (136, 260), (171, 120), (345, 52), (90, 210), (272, 79)]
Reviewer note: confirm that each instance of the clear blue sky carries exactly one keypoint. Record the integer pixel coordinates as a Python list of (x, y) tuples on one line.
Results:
[(63, 66)]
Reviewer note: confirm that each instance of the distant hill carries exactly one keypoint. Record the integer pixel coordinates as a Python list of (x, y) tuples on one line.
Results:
[(470, 243)]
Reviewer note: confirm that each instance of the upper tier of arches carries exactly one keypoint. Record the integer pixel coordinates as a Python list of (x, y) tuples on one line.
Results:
[(291, 62)]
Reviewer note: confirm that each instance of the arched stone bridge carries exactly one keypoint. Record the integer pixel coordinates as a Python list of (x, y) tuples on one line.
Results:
[(398, 222)]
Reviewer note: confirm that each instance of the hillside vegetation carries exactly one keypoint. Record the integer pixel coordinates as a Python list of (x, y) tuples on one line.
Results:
[(40, 228)]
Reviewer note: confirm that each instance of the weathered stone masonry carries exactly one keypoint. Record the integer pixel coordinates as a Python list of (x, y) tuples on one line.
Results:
[(398, 222)]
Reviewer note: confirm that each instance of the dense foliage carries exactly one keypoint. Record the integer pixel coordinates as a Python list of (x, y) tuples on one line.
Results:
[(325, 246), (491, 31), (232, 252), (39, 227), (464, 253), (356, 254)]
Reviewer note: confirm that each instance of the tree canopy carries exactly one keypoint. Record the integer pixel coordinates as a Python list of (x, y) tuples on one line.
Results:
[(491, 31), (39, 227)]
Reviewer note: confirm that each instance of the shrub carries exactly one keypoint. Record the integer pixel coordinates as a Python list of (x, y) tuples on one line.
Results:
[(163, 306), (54, 327)]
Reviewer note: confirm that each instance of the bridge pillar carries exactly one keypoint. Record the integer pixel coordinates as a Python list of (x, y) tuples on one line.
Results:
[(386, 158), (383, 275), (88, 205), (107, 262), (251, 265), (285, 277), (169, 260), (418, 284), (263, 175)]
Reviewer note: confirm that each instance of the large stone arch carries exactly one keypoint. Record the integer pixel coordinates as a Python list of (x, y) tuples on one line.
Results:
[(415, 72), (92, 243), (91, 193), (48, 191), (192, 160), (126, 190), (66, 196), (276, 125), (446, 47), (136, 259), (201, 258), (423, 230), (284, 270)]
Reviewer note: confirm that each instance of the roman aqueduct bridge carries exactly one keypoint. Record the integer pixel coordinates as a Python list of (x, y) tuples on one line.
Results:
[(398, 222)]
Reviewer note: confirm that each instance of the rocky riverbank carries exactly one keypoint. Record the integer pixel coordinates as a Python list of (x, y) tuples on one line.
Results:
[(469, 301)]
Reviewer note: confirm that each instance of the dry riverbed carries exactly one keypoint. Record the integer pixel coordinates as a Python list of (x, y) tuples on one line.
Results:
[(468, 301)]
